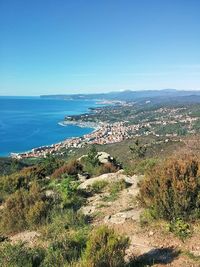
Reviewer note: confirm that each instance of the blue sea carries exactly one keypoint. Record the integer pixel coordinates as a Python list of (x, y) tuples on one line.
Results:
[(29, 122)]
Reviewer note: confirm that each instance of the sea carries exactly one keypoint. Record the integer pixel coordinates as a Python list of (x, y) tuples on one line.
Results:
[(30, 122)]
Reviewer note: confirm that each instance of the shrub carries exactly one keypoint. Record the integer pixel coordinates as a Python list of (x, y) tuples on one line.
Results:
[(50, 164), (92, 157), (172, 189), (22, 179), (9, 184), (108, 168), (105, 249), (62, 223), (25, 208), (180, 228), (18, 255), (70, 195), (114, 189), (146, 217), (65, 249), (98, 186), (137, 150), (118, 186), (73, 167)]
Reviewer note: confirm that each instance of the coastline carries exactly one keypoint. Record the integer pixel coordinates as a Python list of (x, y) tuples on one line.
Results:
[(102, 133), (80, 124), (28, 123), (42, 151)]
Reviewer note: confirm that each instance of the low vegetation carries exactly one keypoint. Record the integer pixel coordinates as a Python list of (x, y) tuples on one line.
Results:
[(45, 198), (105, 248), (172, 189)]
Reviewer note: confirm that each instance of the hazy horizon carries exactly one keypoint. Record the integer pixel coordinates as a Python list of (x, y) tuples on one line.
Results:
[(114, 91)]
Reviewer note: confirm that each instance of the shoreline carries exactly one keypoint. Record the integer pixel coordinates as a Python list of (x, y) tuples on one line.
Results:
[(71, 142), (81, 124), (68, 142), (46, 149)]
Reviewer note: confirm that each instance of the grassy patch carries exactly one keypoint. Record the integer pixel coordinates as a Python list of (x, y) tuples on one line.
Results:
[(98, 186), (114, 189)]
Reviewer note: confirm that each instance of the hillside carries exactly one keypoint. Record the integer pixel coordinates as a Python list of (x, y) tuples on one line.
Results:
[(165, 95), (53, 210)]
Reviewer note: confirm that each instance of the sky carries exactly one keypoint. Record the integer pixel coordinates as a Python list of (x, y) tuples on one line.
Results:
[(87, 46)]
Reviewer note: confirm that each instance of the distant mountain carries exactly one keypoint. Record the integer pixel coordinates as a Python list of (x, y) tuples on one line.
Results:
[(128, 95)]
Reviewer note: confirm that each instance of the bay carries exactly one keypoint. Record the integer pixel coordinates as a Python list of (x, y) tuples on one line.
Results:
[(29, 122)]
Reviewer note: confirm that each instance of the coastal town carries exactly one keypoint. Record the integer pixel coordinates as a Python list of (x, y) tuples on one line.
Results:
[(163, 122)]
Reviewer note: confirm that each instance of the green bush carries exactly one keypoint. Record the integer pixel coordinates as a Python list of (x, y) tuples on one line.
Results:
[(20, 256), (137, 150), (98, 186), (71, 197), (146, 217), (64, 222), (180, 228), (105, 249), (114, 190), (24, 209), (10, 183), (65, 249), (50, 164), (92, 157), (172, 188), (23, 179)]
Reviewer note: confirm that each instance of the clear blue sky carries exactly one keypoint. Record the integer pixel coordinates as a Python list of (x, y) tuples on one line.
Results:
[(72, 46)]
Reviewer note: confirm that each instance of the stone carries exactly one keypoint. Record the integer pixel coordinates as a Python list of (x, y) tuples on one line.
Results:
[(121, 217), (108, 177), (50, 193), (82, 178), (104, 157), (151, 233), (26, 236), (88, 210)]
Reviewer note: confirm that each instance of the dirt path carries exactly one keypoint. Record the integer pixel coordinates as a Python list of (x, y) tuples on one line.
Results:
[(152, 245)]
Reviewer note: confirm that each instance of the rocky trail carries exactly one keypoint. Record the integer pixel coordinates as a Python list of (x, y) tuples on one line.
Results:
[(150, 245)]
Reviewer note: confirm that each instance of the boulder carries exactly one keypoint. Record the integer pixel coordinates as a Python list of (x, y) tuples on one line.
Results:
[(83, 177), (121, 217), (108, 177), (104, 157), (29, 237), (88, 210)]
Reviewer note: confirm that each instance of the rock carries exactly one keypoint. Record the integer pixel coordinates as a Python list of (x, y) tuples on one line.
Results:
[(121, 217), (104, 157), (83, 177), (151, 233), (88, 210), (108, 177), (114, 219), (26, 236), (132, 180), (50, 193), (196, 253), (82, 157), (2, 206)]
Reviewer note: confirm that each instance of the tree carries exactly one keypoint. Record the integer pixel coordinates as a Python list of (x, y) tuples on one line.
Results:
[(137, 150), (92, 156)]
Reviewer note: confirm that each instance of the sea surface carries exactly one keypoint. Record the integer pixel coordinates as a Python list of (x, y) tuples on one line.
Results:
[(29, 122)]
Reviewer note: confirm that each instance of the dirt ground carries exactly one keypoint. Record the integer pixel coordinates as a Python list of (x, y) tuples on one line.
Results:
[(152, 245)]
